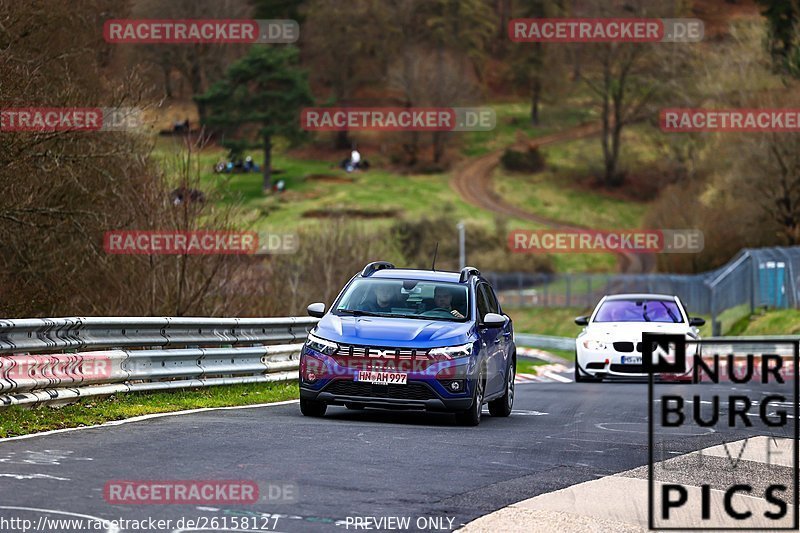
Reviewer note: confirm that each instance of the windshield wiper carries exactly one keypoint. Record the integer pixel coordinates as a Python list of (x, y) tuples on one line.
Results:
[(357, 312), (670, 313), (421, 317)]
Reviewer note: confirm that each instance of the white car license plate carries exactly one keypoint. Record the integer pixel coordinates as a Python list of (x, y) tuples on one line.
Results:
[(382, 378), (631, 360)]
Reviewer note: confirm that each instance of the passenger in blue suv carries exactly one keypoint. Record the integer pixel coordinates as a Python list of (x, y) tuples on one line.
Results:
[(411, 339)]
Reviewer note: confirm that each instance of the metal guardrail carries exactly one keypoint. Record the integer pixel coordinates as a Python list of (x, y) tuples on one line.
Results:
[(142, 353), (756, 277), (129, 354), (544, 341), (568, 343)]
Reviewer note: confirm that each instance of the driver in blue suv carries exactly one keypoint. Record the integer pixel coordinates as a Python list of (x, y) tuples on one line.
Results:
[(411, 339), (443, 299), (382, 298)]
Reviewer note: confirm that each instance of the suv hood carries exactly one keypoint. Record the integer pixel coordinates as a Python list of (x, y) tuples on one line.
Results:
[(394, 332)]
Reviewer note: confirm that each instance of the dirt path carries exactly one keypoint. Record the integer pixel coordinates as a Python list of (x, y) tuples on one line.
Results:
[(472, 180)]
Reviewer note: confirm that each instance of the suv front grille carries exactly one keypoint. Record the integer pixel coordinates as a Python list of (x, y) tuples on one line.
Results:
[(355, 350), (366, 357), (412, 391)]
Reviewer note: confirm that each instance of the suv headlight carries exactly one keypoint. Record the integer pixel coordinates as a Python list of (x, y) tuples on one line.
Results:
[(591, 344), (452, 352), (321, 345)]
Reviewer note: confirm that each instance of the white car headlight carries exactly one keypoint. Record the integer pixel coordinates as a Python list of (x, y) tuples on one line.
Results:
[(591, 344), (452, 352), (321, 345)]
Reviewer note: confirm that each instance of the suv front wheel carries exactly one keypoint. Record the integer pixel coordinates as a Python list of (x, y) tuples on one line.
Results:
[(313, 408), (472, 416), (502, 406)]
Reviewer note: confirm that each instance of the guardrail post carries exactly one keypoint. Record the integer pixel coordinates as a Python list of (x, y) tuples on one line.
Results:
[(546, 287), (569, 288), (716, 327), (589, 291)]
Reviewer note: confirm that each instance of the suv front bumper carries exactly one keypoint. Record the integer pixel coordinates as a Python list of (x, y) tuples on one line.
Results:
[(339, 392)]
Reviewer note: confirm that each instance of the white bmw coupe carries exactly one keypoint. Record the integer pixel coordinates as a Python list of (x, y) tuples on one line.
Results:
[(610, 344)]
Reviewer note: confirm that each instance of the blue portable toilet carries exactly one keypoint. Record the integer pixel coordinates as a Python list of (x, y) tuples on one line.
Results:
[(771, 285)]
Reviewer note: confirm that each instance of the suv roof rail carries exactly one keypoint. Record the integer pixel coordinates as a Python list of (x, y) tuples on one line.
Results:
[(468, 271), (374, 267)]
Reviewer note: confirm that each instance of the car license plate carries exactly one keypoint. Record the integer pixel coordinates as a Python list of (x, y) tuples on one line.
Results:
[(631, 360), (382, 378)]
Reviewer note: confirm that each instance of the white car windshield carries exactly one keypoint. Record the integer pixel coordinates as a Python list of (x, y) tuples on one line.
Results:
[(639, 311)]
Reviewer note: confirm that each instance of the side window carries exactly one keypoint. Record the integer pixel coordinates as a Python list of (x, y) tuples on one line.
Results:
[(494, 307), (483, 302)]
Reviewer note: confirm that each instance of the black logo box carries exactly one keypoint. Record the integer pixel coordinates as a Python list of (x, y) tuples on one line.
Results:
[(652, 341)]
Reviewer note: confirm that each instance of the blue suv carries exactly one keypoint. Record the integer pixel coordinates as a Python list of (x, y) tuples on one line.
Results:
[(411, 339)]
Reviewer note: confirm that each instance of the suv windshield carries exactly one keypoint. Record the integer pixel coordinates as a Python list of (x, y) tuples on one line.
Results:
[(639, 311), (433, 300)]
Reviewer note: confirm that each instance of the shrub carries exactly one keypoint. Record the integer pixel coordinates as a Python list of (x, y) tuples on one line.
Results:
[(523, 161)]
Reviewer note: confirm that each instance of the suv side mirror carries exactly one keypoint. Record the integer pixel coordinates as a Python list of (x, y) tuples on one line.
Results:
[(582, 321), (493, 320), (317, 310), (696, 321)]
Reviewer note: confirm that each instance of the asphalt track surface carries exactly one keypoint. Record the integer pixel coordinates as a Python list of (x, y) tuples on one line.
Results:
[(349, 463)]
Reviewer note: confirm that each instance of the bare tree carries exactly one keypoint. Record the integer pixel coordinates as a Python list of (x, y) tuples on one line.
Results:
[(63, 190), (200, 64), (628, 80), (623, 90), (346, 48), (768, 175), (427, 80)]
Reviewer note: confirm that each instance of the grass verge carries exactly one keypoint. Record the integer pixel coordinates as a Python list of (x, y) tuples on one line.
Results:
[(775, 322), (736, 321), (16, 420), (557, 321), (528, 366), (569, 355)]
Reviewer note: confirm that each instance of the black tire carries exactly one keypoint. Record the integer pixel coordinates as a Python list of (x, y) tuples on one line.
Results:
[(313, 408), (503, 405), (472, 416)]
